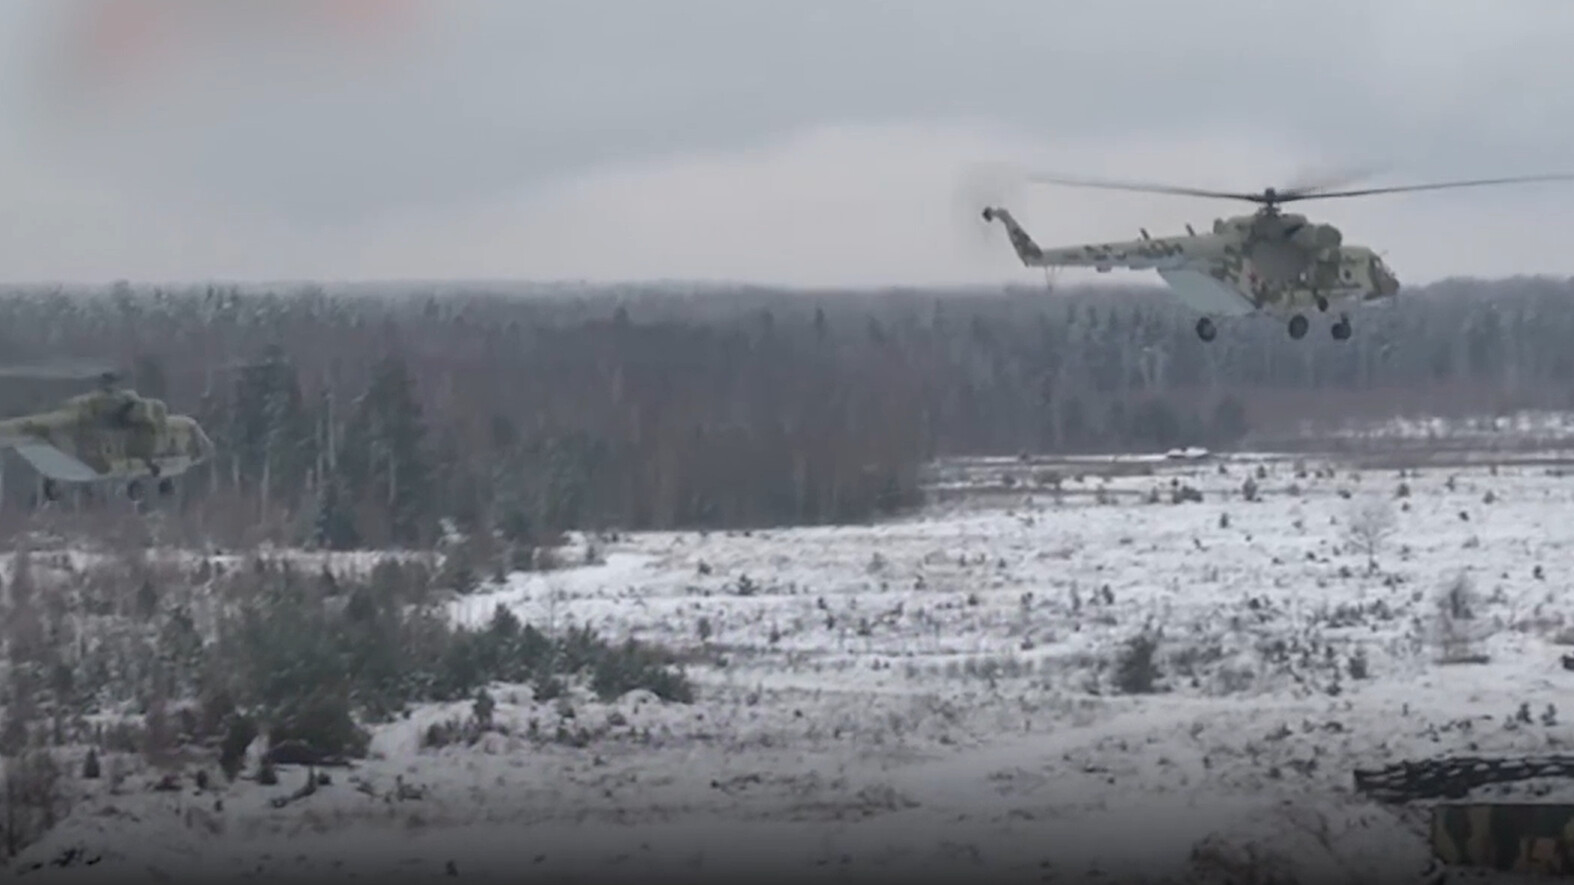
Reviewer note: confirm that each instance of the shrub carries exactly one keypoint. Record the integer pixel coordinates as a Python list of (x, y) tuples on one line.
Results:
[(239, 732), (630, 666), (321, 720), (307, 667), (1136, 670)]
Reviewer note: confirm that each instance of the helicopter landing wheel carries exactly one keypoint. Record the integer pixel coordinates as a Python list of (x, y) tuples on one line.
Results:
[(1341, 329), (1322, 304), (134, 490), (51, 490), (1206, 330), (1298, 326), (166, 487)]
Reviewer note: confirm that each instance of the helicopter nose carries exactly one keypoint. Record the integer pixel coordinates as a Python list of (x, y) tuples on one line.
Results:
[(1387, 283), (1384, 283)]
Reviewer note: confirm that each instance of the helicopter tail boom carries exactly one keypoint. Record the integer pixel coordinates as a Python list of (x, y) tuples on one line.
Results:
[(1026, 249), (17, 431), (1148, 253)]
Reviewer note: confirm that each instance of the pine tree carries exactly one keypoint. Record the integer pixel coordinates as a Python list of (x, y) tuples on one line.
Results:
[(148, 376), (270, 434), (334, 526), (383, 456)]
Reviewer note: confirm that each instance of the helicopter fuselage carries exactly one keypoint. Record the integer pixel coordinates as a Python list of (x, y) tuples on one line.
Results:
[(1245, 264), (107, 438), (1269, 260)]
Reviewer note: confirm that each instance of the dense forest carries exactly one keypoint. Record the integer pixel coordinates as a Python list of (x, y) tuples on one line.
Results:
[(375, 416)]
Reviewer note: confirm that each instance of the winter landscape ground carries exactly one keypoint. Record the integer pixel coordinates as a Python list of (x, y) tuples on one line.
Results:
[(965, 689)]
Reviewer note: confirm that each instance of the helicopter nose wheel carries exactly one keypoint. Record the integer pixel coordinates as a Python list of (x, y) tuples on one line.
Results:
[(1298, 326), (1341, 329), (1206, 330), (166, 487), (134, 490)]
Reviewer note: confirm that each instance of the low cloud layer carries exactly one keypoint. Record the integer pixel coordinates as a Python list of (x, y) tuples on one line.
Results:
[(818, 143)]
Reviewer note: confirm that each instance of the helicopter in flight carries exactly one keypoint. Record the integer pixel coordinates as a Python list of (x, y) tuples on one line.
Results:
[(111, 434), (1269, 261)]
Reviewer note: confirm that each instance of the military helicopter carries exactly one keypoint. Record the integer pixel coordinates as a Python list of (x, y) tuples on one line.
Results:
[(1272, 261), (106, 435)]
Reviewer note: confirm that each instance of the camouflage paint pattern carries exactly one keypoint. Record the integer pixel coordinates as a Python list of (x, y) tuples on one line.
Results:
[(1338, 274), (114, 434), (1518, 838)]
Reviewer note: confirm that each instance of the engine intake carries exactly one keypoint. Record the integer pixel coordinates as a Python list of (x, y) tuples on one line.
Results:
[(1317, 237)]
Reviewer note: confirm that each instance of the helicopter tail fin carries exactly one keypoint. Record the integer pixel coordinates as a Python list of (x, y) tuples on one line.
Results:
[(1026, 249)]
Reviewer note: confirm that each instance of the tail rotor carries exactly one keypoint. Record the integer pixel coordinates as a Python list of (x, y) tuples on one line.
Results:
[(980, 186)]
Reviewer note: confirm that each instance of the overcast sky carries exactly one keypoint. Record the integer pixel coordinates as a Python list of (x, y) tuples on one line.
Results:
[(817, 142)]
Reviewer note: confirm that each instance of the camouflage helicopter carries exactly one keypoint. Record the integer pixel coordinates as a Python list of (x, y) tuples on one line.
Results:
[(1273, 261), (106, 435)]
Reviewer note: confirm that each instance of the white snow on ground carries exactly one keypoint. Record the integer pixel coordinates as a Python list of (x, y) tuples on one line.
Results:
[(936, 694), (1520, 428)]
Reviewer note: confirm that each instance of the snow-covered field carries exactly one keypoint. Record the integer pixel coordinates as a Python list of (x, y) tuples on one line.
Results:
[(940, 694), (1520, 431)]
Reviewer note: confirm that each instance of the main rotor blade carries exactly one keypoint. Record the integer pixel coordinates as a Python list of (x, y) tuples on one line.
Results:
[(1309, 182), (72, 370), (1285, 198), (1145, 188), (248, 365)]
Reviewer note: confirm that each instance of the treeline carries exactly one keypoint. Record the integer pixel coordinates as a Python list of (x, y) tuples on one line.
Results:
[(374, 418)]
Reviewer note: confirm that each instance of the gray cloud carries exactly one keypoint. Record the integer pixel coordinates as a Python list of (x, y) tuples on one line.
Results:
[(505, 114)]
